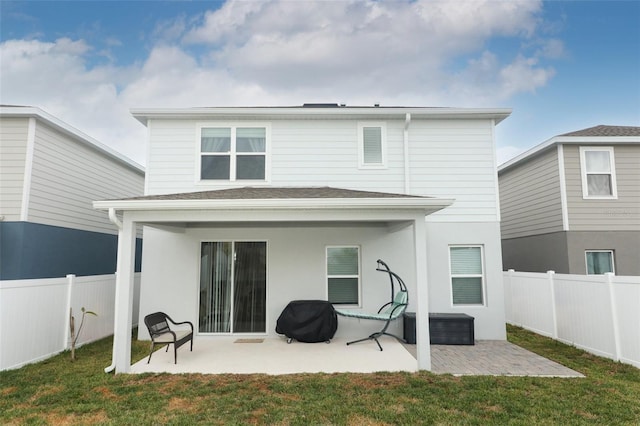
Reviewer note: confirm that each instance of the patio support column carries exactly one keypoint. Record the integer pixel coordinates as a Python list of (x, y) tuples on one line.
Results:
[(422, 290), (124, 296)]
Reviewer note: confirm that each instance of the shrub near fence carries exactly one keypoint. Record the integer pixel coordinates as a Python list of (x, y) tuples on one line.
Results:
[(34, 315), (597, 313)]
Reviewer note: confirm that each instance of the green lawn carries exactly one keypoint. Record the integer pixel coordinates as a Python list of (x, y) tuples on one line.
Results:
[(57, 391)]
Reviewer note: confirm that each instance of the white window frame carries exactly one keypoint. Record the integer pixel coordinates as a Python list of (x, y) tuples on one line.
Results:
[(383, 145), (612, 173), (586, 260), (481, 275), (233, 154), (359, 276)]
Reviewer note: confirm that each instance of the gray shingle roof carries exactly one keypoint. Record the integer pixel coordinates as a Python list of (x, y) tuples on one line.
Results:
[(606, 131), (252, 193)]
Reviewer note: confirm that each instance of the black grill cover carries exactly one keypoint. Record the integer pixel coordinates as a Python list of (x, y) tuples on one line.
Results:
[(308, 321)]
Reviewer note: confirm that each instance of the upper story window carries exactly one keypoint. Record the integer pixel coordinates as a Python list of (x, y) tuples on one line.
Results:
[(233, 153), (597, 166), (372, 145)]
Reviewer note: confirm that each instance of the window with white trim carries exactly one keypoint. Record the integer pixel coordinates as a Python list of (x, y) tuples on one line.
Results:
[(467, 275), (372, 145), (599, 261), (343, 275), (233, 153), (597, 166)]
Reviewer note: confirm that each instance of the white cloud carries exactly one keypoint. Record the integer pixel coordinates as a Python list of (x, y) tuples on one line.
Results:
[(279, 52), (53, 76)]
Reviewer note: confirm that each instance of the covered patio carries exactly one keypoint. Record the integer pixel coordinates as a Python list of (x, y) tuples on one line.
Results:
[(273, 356), (386, 224)]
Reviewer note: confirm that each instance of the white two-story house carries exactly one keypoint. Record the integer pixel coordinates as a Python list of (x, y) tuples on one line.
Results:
[(247, 209)]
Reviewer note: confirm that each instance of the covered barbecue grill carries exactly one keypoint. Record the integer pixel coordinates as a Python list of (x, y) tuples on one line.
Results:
[(308, 321)]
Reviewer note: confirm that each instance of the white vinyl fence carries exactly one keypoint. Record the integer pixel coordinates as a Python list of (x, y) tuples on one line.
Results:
[(34, 315), (597, 313)]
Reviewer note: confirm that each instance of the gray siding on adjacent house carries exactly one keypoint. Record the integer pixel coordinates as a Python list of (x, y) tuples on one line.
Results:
[(564, 252), (530, 201), (13, 153), (625, 246), (537, 253), (621, 214), (68, 175)]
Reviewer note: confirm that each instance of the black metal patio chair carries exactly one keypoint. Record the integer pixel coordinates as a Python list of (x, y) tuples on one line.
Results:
[(161, 333)]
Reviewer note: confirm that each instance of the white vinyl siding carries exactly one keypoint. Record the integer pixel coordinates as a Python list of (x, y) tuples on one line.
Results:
[(599, 261), (467, 275), (13, 153), (455, 159), (530, 199), (598, 171), (448, 158), (372, 145), (343, 275), (68, 175)]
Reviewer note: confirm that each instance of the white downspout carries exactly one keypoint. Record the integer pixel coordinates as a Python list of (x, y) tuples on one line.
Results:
[(114, 219), (407, 184)]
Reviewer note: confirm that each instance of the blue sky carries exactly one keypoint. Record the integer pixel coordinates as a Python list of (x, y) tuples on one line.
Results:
[(560, 65)]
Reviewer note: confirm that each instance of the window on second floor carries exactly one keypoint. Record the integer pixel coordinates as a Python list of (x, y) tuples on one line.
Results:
[(597, 166), (372, 145), (233, 153)]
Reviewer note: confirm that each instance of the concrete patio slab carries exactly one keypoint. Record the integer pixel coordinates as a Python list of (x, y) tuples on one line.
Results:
[(274, 356), (219, 355)]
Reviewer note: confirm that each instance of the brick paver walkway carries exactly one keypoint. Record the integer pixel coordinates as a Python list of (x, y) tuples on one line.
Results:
[(494, 357)]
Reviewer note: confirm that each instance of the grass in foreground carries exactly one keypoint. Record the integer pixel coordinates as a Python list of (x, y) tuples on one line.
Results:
[(57, 391)]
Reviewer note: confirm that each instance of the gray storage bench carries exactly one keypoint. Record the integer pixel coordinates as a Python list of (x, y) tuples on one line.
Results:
[(451, 329)]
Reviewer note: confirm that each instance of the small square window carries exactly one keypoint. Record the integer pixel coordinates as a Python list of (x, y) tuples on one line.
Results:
[(599, 262), (215, 167)]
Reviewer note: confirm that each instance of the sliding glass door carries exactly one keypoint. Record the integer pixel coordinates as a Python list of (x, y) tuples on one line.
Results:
[(233, 284)]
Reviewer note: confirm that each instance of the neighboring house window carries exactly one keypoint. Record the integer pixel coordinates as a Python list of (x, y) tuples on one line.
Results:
[(599, 261), (467, 275), (372, 145), (233, 153), (343, 275), (598, 172)]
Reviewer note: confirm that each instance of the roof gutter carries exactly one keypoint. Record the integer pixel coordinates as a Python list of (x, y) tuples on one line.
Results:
[(270, 204), (143, 115)]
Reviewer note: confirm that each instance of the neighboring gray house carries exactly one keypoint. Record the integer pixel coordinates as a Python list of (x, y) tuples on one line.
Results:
[(572, 204), (50, 173)]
